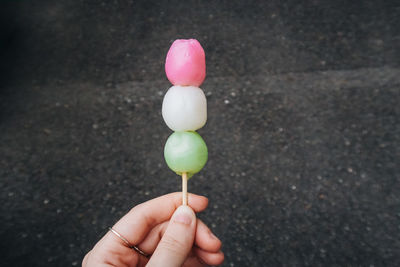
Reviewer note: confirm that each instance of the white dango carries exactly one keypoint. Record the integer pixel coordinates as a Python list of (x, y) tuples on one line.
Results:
[(184, 108)]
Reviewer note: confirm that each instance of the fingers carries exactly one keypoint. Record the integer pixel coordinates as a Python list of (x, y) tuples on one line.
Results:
[(106, 253), (207, 244), (204, 239), (177, 241), (135, 225), (193, 262), (85, 259), (209, 258), (150, 242)]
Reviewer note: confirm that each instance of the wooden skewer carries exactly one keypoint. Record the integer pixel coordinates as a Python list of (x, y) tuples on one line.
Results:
[(184, 189)]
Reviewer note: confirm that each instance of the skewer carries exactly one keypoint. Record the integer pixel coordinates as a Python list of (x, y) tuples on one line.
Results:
[(184, 189)]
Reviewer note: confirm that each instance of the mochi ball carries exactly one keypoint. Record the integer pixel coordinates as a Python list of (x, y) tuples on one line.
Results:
[(184, 108), (186, 63)]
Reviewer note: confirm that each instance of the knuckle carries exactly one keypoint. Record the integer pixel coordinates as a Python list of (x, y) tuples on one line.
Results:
[(85, 259), (137, 207)]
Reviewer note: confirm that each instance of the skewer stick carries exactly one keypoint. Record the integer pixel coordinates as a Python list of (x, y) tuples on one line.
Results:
[(184, 189)]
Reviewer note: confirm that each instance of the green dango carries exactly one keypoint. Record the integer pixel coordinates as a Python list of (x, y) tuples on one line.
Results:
[(185, 152)]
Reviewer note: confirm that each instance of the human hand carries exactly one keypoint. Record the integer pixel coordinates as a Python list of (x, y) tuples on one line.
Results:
[(170, 233)]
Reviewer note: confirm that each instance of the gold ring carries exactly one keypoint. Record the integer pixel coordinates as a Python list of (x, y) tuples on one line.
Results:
[(135, 248)]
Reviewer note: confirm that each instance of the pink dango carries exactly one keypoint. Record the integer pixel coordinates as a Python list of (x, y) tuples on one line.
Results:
[(186, 63)]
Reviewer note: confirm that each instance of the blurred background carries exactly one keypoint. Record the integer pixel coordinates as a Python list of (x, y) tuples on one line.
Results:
[(303, 128)]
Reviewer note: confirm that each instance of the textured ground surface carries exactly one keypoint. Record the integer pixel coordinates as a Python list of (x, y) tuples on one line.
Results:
[(303, 129)]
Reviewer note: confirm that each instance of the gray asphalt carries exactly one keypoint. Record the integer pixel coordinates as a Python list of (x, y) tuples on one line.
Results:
[(303, 129)]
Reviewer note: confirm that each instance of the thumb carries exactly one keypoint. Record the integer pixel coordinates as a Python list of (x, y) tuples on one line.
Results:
[(177, 240)]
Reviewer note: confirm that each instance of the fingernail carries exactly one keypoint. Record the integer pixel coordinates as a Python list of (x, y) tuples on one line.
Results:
[(183, 215)]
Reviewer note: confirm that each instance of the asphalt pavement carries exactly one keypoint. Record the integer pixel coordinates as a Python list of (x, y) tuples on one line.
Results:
[(303, 126)]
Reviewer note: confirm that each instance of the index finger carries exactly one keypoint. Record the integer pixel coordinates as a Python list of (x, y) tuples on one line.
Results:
[(135, 225)]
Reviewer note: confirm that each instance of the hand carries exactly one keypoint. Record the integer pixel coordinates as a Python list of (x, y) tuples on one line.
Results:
[(159, 227)]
